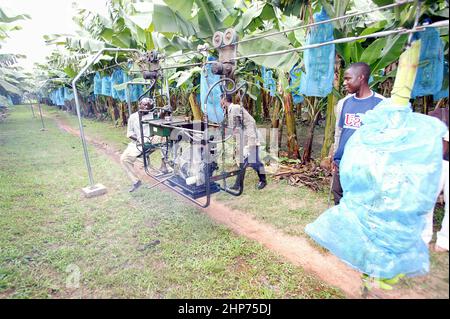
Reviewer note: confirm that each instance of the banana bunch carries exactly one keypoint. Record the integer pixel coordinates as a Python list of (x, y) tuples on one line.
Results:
[(406, 74)]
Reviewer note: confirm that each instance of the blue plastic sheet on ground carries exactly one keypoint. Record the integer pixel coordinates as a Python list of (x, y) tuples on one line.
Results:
[(213, 108), (268, 81), (319, 62), (296, 73), (390, 175), (106, 86), (431, 63), (97, 84), (445, 83)]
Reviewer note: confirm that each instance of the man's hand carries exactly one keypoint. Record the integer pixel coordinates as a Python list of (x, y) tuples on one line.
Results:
[(334, 167)]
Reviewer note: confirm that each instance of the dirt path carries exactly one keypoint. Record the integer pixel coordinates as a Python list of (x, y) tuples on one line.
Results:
[(297, 250)]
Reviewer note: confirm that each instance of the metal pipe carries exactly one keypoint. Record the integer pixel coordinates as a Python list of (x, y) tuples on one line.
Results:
[(32, 110), (325, 21), (345, 40), (40, 112), (180, 66), (39, 101), (128, 99), (77, 103)]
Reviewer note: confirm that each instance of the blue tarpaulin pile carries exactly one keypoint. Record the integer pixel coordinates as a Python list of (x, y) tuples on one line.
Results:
[(390, 174), (319, 62)]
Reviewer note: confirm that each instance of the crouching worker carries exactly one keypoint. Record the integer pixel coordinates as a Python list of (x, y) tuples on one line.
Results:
[(132, 152), (236, 117)]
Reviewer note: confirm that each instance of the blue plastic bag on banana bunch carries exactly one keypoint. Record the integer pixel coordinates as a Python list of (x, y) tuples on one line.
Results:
[(390, 175), (68, 94), (268, 81), (106, 85), (319, 62), (97, 84), (207, 80), (136, 90), (430, 72), (443, 93)]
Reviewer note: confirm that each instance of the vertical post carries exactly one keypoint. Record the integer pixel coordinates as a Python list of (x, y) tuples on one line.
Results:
[(128, 99), (40, 112), (93, 189)]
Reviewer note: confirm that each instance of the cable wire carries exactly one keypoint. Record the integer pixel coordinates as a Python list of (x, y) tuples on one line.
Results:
[(325, 21), (344, 40)]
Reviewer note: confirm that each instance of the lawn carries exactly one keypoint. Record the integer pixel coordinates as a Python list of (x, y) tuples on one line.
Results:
[(54, 243)]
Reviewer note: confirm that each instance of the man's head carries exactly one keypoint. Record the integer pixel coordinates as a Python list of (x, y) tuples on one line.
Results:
[(356, 77), (225, 99), (145, 104)]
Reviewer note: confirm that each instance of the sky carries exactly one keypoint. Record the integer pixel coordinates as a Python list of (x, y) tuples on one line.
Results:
[(47, 17)]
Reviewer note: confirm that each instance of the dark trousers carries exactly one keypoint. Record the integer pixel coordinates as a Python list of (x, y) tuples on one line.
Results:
[(254, 162), (337, 188)]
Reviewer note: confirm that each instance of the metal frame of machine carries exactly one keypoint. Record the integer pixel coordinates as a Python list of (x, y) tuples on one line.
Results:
[(203, 146)]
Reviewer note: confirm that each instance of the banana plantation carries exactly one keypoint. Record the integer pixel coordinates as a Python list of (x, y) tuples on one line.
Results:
[(195, 102)]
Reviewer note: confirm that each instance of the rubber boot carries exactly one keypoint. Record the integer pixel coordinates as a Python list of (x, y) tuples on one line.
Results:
[(262, 181)]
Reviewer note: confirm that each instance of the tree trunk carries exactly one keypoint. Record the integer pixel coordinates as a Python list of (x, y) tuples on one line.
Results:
[(258, 104), (173, 102), (330, 122), (196, 110), (275, 114), (265, 104), (280, 130), (250, 108), (123, 113), (292, 144), (307, 151)]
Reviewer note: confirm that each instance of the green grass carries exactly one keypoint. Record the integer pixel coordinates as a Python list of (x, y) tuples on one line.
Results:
[(103, 130), (268, 205), (47, 229)]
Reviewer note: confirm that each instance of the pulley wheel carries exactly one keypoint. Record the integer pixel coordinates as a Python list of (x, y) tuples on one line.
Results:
[(217, 39), (229, 36)]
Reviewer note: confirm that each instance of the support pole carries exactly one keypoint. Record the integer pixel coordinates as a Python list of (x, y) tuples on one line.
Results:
[(93, 189), (32, 110), (128, 99), (40, 112)]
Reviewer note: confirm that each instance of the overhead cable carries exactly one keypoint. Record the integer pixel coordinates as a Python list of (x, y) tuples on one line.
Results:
[(325, 21), (300, 27), (438, 24), (108, 67)]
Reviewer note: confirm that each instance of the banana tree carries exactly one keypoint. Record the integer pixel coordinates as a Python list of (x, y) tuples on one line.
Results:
[(12, 77)]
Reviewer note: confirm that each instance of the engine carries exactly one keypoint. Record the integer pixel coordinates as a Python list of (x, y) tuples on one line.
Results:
[(190, 163)]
